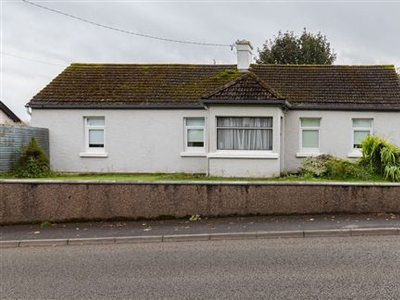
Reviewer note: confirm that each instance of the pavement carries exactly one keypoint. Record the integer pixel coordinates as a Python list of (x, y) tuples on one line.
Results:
[(198, 228)]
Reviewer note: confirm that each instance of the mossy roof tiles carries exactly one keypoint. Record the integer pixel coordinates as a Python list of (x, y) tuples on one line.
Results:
[(168, 84), (247, 87)]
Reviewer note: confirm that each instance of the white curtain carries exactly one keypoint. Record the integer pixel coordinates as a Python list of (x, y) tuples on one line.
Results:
[(244, 133), (96, 138)]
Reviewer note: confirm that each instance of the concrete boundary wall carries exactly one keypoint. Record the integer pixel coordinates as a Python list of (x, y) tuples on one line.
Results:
[(24, 201)]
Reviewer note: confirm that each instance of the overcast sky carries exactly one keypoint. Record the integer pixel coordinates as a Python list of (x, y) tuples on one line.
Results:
[(37, 44)]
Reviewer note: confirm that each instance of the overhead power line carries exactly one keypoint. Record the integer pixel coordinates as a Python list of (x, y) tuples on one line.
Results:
[(127, 31), (32, 60)]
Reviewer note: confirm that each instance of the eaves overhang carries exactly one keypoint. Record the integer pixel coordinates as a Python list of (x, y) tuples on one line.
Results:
[(114, 106), (386, 107), (204, 103), (273, 102)]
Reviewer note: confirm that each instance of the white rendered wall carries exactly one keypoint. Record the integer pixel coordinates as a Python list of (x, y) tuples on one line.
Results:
[(336, 135), (231, 163), (152, 140), (136, 140)]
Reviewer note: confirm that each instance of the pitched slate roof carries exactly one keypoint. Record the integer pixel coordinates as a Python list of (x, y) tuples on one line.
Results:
[(139, 84), (145, 85), (248, 87), (334, 86)]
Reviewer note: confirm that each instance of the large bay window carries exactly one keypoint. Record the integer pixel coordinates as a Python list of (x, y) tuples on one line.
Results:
[(361, 129), (244, 133)]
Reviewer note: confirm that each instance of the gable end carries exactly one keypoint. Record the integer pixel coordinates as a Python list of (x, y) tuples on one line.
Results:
[(248, 87)]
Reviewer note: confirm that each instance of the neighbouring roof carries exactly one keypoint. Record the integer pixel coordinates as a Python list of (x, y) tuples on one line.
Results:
[(9, 113), (145, 85)]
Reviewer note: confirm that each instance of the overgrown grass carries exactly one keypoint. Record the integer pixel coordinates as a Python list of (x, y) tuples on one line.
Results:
[(132, 176), (142, 177), (187, 177)]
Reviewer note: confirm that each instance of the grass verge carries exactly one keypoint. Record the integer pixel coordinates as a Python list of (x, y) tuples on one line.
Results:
[(186, 177)]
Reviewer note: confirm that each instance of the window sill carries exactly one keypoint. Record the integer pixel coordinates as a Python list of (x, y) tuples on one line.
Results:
[(193, 154), (308, 154), (93, 154), (355, 154), (243, 154)]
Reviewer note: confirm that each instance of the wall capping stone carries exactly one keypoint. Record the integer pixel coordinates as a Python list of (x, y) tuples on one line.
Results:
[(204, 182)]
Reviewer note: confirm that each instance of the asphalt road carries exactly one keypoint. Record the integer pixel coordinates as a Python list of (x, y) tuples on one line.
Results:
[(310, 268)]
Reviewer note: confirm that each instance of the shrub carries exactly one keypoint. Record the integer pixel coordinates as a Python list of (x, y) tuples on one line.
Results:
[(32, 163), (316, 165), (330, 167), (343, 169), (382, 156)]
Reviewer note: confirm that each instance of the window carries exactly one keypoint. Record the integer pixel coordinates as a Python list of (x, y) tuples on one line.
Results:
[(244, 133), (94, 134), (361, 129), (194, 134), (309, 134)]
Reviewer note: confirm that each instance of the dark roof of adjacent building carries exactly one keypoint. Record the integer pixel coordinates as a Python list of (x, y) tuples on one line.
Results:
[(145, 85), (9, 113)]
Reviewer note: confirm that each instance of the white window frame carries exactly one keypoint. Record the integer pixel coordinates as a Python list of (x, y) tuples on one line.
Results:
[(193, 150), (355, 129), (309, 151), (245, 152), (94, 151)]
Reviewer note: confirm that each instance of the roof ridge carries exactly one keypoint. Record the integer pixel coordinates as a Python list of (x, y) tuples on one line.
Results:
[(149, 64), (326, 66)]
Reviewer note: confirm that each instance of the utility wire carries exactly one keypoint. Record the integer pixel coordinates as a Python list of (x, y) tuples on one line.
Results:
[(126, 31), (29, 59)]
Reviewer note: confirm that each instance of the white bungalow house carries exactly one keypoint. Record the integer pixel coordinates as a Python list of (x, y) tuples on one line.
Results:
[(226, 120)]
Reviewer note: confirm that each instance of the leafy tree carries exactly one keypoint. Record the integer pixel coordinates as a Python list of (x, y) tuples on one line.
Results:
[(286, 48)]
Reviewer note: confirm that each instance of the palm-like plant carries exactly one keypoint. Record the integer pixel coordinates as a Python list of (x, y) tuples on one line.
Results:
[(382, 156)]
